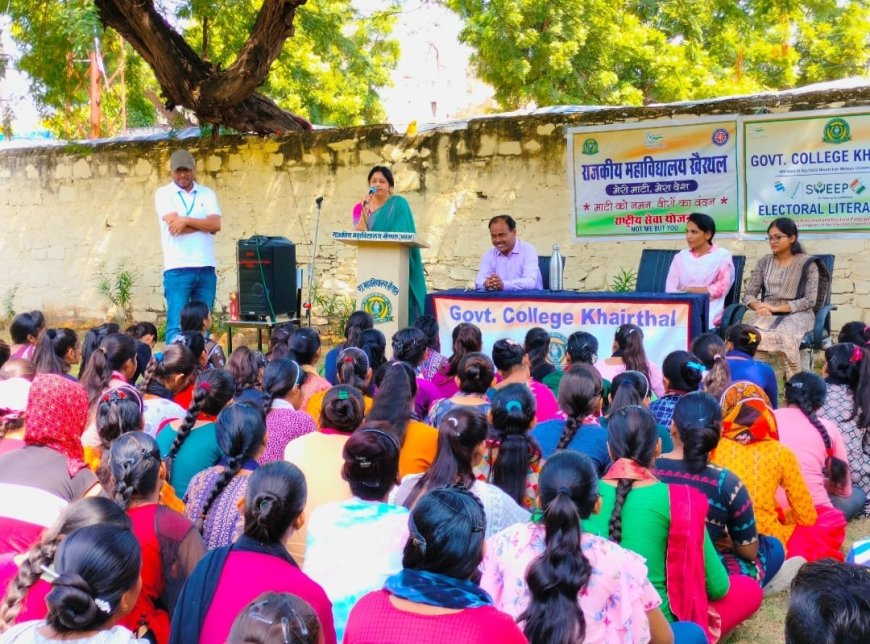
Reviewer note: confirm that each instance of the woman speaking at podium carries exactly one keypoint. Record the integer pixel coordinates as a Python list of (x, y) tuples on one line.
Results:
[(382, 211)]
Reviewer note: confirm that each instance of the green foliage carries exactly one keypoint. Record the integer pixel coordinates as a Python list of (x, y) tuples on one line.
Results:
[(117, 289), (624, 281), (9, 302), (55, 39), (329, 71), (336, 308), (634, 52)]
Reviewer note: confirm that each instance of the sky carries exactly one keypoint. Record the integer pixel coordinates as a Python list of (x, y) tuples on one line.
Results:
[(432, 82)]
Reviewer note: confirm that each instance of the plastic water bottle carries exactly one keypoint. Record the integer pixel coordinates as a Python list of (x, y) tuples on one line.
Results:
[(556, 269)]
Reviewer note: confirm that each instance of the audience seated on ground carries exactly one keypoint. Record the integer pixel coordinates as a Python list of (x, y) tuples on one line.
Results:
[(228, 578), (282, 398), (466, 339), (352, 368), (696, 429), (434, 598), (580, 400), (563, 584), (741, 343), (319, 455), (461, 444), (847, 404), (512, 363), (629, 355), (474, 375), (664, 524), (589, 535)]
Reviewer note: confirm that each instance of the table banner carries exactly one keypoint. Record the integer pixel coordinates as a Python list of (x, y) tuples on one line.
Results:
[(665, 324), (814, 169), (647, 180)]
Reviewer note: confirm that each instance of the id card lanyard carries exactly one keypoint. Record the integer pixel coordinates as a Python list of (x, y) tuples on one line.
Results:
[(187, 209)]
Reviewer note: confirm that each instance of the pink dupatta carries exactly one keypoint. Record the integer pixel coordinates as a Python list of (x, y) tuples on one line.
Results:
[(684, 561)]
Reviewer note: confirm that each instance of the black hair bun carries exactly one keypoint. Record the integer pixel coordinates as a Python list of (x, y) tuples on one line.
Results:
[(72, 602)]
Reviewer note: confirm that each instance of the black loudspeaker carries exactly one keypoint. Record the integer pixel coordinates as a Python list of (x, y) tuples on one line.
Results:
[(267, 277)]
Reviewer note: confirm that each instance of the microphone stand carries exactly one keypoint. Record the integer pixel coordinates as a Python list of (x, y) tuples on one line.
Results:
[(317, 201)]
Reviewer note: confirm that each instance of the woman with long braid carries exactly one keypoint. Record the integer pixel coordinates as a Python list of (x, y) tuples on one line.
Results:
[(282, 396), (664, 524), (580, 399), (564, 585), (25, 593), (214, 494), (190, 445), (847, 403), (171, 546), (823, 462)]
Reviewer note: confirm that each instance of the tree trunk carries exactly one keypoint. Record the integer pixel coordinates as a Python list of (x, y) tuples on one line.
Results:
[(222, 97)]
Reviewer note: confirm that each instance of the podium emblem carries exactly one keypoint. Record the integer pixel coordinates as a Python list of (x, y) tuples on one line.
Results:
[(379, 307), (558, 346)]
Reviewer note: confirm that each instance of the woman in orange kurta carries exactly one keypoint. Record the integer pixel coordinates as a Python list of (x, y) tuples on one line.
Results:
[(394, 407), (750, 448)]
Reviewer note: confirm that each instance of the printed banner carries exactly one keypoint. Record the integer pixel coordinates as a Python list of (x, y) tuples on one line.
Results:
[(665, 324), (647, 180), (813, 169)]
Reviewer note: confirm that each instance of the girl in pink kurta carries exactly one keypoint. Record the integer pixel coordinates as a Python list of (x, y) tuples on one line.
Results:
[(228, 578), (617, 602), (282, 399), (629, 355), (822, 458), (512, 363)]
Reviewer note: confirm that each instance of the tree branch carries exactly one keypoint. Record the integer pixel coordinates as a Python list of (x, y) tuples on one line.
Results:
[(219, 97), (249, 70)]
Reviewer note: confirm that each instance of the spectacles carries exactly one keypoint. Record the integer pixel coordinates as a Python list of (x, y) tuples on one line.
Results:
[(775, 238)]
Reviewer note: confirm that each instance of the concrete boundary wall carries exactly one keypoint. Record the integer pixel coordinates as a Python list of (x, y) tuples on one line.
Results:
[(71, 212)]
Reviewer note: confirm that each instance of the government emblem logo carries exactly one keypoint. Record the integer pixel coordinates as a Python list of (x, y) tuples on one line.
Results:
[(836, 131), (590, 146), (558, 344), (379, 307)]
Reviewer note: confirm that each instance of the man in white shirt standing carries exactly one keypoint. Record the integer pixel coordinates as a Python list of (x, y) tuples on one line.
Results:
[(189, 217)]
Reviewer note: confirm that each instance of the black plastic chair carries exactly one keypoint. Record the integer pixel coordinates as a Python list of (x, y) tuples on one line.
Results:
[(652, 274), (653, 270), (820, 337), (544, 266)]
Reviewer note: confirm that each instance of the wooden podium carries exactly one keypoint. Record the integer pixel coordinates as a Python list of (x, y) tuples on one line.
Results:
[(382, 275)]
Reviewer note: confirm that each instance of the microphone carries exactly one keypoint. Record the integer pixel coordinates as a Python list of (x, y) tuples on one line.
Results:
[(318, 201), (372, 190)]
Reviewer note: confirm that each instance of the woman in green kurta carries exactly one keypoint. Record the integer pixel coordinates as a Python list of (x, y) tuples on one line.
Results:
[(382, 211)]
